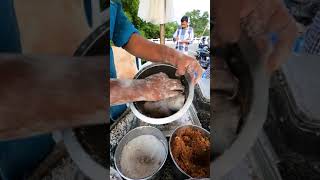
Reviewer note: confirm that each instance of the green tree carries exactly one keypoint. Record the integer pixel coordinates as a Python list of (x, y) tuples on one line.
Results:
[(199, 22), (130, 8), (170, 28), (149, 30)]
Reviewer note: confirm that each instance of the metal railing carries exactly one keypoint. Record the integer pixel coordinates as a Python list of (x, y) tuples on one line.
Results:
[(170, 40)]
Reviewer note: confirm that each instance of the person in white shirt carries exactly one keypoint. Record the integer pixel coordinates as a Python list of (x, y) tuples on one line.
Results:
[(183, 35)]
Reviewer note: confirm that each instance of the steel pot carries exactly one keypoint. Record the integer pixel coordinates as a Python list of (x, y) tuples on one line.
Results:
[(95, 44), (142, 130), (114, 175), (254, 81), (170, 71), (179, 173)]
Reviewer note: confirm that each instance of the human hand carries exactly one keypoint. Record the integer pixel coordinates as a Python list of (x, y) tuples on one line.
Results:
[(159, 86), (164, 54), (187, 64), (271, 17), (184, 41), (259, 19)]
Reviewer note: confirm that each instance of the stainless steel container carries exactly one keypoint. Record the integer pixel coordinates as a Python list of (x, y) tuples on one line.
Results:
[(179, 173), (170, 71), (94, 45), (142, 130), (114, 175), (250, 69)]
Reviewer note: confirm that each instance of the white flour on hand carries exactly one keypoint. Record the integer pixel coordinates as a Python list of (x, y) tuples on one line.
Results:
[(142, 156)]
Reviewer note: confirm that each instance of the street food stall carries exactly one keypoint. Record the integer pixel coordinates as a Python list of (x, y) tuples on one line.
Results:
[(152, 139)]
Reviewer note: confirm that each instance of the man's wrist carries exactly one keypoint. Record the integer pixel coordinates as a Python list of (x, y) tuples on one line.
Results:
[(140, 88)]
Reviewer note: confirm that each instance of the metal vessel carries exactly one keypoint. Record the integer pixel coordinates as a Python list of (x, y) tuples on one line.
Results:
[(95, 44), (170, 71), (179, 173), (254, 85), (142, 130)]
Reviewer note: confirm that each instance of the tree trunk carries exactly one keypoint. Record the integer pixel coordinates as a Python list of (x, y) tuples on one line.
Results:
[(162, 34)]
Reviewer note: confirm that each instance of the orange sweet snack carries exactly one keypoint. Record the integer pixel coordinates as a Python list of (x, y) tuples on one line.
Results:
[(191, 150)]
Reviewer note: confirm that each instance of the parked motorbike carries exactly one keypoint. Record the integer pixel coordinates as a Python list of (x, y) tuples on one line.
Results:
[(203, 53)]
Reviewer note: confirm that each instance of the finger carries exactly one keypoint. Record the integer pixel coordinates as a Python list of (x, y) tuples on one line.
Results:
[(158, 76), (201, 71), (197, 78), (283, 47), (276, 59), (196, 73), (193, 74), (173, 94), (181, 70), (279, 18), (161, 74), (200, 76), (176, 85)]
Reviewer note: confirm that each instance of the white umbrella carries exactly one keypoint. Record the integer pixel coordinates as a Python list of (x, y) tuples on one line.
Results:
[(157, 12)]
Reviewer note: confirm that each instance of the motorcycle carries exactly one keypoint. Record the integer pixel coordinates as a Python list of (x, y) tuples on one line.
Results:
[(203, 53)]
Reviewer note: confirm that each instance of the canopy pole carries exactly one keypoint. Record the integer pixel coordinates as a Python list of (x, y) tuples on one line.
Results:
[(162, 34)]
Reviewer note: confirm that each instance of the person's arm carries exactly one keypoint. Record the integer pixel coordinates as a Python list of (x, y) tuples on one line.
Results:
[(256, 19), (126, 87), (153, 88), (270, 17), (126, 36), (185, 41), (141, 47), (189, 40), (41, 94)]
